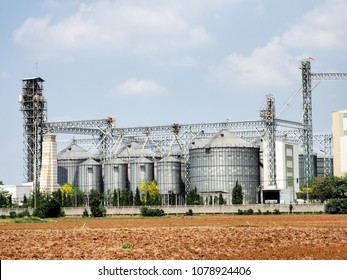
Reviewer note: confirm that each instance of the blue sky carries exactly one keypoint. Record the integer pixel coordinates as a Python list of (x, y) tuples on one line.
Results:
[(154, 62)]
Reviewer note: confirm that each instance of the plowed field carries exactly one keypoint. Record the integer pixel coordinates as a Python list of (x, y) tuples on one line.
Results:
[(217, 237)]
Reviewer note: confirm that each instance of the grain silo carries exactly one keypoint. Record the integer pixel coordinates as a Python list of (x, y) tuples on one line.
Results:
[(141, 170), (169, 175), (217, 164), (115, 175), (68, 161), (89, 176)]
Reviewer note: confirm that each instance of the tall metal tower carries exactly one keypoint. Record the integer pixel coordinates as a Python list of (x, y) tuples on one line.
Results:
[(268, 117), (33, 107), (307, 136)]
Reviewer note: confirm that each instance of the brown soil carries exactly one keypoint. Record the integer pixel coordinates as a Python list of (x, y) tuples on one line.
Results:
[(217, 237)]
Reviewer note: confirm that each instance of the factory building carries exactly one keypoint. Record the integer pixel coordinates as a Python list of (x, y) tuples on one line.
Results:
[(215, 165)]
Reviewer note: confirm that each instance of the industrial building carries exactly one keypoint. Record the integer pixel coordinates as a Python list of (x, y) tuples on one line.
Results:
[(269, 157)]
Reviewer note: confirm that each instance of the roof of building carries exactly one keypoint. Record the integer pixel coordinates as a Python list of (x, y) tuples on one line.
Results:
[(223, 139), (135, 150), (89, 162), (73, 151)]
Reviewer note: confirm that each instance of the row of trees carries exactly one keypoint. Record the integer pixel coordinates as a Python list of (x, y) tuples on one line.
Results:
[(324, 188), (146, 194)]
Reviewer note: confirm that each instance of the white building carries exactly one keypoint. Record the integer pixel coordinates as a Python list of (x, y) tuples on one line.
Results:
[(339, 128), (287, 174), (18, 192)]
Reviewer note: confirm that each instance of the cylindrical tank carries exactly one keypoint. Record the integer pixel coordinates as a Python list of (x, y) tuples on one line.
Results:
[(115, 175), (169, 175), (68, 161), (141, 169), (217, 164), (89, 176)]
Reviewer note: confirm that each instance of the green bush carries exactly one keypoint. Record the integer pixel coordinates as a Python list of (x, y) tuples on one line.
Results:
[(245, 212), (151, 212), (48, 208), (276, 211), (13, 214), (24, 213), (336, 206), (85, 213), (189, 212)]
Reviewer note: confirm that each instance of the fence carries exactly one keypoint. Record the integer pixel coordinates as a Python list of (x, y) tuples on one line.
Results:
[(197, 209)]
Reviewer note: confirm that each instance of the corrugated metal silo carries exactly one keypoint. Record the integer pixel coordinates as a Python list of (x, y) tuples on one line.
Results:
[(68, 161), (169, 175), (89, 176), (141, 169), (216, 165), (115, 175)]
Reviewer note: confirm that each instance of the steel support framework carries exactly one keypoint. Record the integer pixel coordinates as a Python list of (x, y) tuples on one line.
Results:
[(108, 138), (268, 117), (33, 107), (307, 136)]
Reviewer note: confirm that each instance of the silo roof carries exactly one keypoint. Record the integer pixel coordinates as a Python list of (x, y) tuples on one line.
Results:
[(90, 161), (224, 139), (169, 159), (115, 161), (143, 160), (135, 150), (73, 151)]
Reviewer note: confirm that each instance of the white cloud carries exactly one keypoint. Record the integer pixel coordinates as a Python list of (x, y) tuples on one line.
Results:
[(113, 25), (276, 63), (134, 86)]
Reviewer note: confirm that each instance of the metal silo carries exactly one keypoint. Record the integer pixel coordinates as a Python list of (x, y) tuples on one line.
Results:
[(141, 169), (217, 164), (68, 161), (115, 175), (89, 176), (169, 175)]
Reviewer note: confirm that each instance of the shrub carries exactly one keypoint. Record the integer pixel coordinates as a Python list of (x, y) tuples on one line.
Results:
[(48, 208), (3, 216), (85, 213), (13, 215), (189, 212), (245, 212), (151, 212), (276, 211), (24, 213), (259, 212), (127, 246), (336, 206)]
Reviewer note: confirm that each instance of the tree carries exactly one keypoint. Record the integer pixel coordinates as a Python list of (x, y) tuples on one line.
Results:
[(95, 204), (149, 191), (137, 199), (193, 198), (5, 199), (237, 195), (221, 199), (47, 206), (67, 193), (323, 188)]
